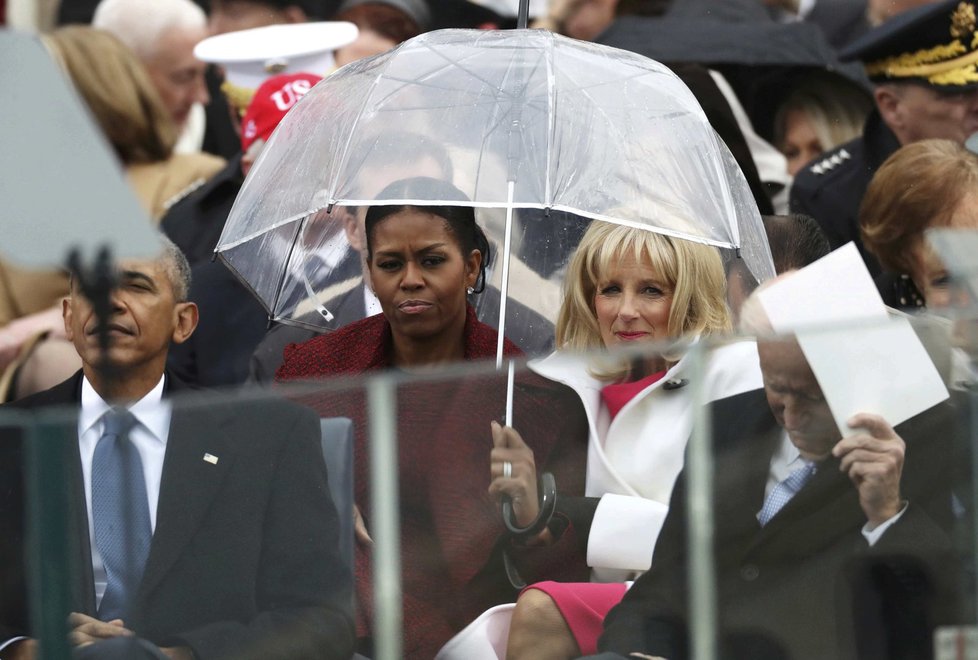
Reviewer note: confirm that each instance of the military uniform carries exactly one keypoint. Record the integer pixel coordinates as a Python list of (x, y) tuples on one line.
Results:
[(831, 187), (934, 45)]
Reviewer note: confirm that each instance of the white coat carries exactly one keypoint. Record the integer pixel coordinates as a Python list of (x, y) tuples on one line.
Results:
[(633, 460)]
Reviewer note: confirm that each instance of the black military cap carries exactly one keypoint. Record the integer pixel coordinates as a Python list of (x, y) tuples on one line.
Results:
[(936, 44)]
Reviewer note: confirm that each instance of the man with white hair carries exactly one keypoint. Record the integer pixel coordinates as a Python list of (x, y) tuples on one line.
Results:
[(163, 34)]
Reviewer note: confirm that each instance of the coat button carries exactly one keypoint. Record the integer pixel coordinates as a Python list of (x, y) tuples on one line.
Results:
[(749, 572)]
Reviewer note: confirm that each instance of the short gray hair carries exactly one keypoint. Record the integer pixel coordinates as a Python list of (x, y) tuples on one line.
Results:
[(177, 268), (140, 23)]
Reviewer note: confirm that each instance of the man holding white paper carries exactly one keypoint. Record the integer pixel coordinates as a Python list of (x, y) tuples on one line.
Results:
[(828, 543)]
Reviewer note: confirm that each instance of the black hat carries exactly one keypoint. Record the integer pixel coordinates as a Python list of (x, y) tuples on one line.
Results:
[(936, 44)]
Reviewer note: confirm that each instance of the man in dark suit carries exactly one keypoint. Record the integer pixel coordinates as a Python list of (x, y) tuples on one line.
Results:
[(921, 63), (844, 568), (240, 555)]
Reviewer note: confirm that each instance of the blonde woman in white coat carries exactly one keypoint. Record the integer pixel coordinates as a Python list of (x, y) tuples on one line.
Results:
[(624, 286)]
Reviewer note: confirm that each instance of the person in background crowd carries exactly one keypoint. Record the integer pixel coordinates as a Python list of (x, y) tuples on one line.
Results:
[(796, 240), (229, 544), (235, 15), (126, 106), (926, 184), (423, 261), (587, 19), (195, 222), (880, 11), (232, 16), (163, 34), (383, 24), (815, 558), (115, 87), (232, 319), (841, 21), (925, 87), (624, 287), (821, 113)]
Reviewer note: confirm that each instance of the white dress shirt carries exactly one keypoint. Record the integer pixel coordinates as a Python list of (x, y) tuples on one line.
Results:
[(149, 436)]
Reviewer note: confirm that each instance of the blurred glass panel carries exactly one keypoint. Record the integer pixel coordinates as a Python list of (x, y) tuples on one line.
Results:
[(805, 585)]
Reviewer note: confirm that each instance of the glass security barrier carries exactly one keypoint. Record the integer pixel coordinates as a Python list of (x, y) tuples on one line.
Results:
[(705, 500)]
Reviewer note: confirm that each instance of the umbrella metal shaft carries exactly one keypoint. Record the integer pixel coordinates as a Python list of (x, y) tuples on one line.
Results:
[(504, 284)]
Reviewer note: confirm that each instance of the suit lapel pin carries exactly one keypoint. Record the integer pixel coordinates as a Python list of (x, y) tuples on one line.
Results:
[(210, 458)]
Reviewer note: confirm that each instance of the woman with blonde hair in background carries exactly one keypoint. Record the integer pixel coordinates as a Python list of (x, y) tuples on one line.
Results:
[(821, 113), (127, 109)]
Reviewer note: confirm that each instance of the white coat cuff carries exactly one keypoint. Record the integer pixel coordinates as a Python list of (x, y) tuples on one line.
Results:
[(624, 531)]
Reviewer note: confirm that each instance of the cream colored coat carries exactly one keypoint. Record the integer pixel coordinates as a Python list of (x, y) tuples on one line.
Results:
[(633, 460)]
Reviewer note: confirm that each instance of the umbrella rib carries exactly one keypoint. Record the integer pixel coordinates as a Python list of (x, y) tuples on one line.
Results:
[(641, 225), (449, 64), (288, 260), (615, 81), (265, 230), (356, 123), (482, 79), (244, 282)]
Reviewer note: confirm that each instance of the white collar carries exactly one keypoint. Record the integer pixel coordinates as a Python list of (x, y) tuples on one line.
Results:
[(149, 411)]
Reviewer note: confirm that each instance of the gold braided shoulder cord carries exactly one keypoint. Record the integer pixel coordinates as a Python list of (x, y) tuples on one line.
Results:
[(238, 97), (898, 65)]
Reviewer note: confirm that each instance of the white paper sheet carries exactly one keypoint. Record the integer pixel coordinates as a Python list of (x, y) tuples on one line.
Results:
[(881, 368)]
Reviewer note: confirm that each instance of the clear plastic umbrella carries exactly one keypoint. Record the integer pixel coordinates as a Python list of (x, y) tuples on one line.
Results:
[(520, 119)]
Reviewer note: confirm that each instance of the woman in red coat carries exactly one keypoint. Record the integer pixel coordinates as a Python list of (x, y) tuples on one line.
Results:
[(423, 262)]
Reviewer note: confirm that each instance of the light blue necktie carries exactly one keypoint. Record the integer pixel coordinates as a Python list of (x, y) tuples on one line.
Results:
[(120, 513), (782, 493)]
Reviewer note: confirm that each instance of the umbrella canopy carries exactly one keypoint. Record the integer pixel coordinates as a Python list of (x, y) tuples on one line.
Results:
[(515, 119)]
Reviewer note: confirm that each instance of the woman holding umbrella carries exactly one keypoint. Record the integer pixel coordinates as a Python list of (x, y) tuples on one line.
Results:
[(423, 261), (625, 287)]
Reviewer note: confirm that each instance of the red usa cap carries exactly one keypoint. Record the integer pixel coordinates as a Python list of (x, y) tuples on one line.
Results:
[(272, 101)]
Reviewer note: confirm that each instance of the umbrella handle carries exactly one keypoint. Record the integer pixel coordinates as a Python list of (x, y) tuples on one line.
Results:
[(548, 504)]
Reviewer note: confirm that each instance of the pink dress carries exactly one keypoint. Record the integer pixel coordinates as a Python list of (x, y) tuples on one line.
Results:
[(584, 605)]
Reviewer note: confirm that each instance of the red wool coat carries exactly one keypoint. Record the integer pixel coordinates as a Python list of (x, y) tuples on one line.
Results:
[(452, 536)]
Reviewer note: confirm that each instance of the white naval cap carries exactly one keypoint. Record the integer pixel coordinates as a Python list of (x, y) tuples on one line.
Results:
[(249, 57)]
